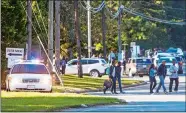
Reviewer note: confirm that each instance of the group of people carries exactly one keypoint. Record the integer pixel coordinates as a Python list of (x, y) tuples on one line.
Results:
[(162, 72), (114, 76)]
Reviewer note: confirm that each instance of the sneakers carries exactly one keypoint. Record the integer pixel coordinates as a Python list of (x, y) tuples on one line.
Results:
[(104, 91), (165, 92), (122, 92)]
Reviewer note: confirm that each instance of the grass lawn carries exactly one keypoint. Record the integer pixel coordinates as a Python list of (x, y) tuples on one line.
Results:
[(35, 101), (74, 84)]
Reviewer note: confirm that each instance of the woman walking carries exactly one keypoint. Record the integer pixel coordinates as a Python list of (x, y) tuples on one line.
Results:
[(152, 74)]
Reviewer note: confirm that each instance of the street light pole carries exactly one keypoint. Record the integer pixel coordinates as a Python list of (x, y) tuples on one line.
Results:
[(103, 34), (89, 30), (119, 29)]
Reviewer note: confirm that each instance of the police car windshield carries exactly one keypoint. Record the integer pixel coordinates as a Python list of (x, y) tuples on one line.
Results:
[(29, 68)]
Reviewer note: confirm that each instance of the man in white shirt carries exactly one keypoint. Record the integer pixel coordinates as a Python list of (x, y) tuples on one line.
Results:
[(173, 76)]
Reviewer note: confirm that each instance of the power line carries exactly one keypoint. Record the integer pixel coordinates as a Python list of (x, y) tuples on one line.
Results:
[(42, 45), (41, 18), (38, 22), (165, 7), (94, 10), (173, 17), (113, 16), (152, 18)]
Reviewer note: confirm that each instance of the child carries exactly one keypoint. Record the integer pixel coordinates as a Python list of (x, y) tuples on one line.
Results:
[(107, 84)]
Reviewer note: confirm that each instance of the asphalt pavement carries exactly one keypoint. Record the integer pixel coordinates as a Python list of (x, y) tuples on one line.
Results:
[(139, 99)]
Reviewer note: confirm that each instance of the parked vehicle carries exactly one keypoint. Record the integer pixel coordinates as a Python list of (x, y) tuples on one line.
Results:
[(177, 51), (159, 55), (29, 75), (179, 59), (138, 66), (168, 61), (95, 67)]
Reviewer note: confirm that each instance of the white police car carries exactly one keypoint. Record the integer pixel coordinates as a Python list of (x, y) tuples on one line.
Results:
[(29, 75)]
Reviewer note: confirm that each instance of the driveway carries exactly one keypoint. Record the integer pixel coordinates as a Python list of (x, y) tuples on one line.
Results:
[(139, 99)]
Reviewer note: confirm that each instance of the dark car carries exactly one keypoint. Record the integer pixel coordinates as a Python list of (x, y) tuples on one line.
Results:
[(138, 66)]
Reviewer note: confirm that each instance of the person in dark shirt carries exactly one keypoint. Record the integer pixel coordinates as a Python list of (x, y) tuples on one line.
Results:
[(118, 76), (112, 76), (162, 72), (63, 64)]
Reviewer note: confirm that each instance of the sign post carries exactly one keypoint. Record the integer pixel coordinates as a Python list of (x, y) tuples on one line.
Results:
[(14, 55), (14, 52)]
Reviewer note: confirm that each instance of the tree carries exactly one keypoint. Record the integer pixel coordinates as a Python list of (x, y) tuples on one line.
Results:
[(77, 34)]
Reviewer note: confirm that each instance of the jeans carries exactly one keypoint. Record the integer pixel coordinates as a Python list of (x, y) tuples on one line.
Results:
[(162, 78), (63, 69), (152, 83), (120, 85), (113, 85), (171, 83)]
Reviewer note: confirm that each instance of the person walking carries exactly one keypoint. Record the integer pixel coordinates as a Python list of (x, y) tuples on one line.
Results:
[(124, 66), (111, 57), (180, 68), (112, 76), (63, 64), (118, 76), (152, 74), (162, 72), (173, 77)]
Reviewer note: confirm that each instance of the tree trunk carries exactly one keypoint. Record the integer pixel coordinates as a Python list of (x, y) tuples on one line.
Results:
[(77, 35), (57, 34), (29, 29)]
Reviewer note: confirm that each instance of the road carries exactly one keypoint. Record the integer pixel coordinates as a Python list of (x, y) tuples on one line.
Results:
[(139, 99)]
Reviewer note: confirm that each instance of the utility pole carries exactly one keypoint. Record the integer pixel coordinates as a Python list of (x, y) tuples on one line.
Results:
[(119, 31), (103, 34), (29, 29), (77, 35), (50, 33), (57, 33), (89, 30)]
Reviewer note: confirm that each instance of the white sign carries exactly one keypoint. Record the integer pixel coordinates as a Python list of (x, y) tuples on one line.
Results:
[(12, 61), (132, 44), (14, 52)]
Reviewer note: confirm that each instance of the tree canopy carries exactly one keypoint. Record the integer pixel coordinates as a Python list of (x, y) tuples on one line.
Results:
[(148, 34)]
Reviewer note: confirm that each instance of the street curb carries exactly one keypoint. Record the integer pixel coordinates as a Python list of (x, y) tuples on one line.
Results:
[(88, 106)]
